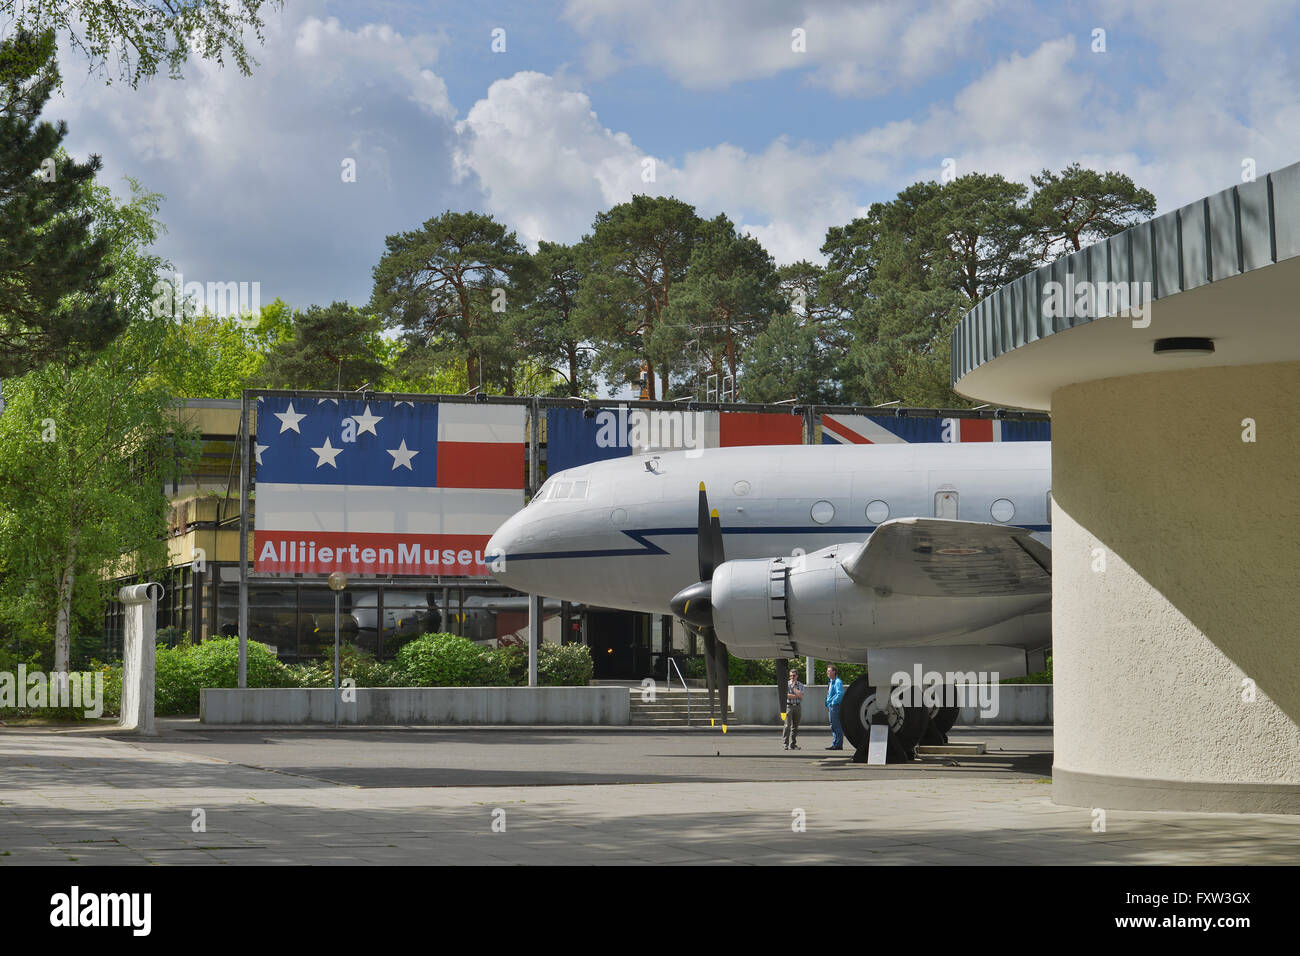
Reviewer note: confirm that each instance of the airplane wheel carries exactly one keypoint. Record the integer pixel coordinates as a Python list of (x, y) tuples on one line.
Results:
[(932, 734), (906, 725), (856, 710), (944, 719), (906, 733)]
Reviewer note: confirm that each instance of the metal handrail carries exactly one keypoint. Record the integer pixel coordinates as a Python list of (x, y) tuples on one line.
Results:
[(668, 677)]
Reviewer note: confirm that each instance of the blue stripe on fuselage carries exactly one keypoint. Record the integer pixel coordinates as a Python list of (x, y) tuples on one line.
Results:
[(650, 548)]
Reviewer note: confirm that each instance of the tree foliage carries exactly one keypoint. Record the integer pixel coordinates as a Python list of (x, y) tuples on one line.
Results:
[(445, 285), (546, 328), (331, 347), (53, 303), (640, 250), (85, 450), (1078, 207), (729, 294), (137, 37)]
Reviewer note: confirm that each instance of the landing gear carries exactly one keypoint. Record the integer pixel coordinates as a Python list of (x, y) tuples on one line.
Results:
[(906, 724), (941, 721)]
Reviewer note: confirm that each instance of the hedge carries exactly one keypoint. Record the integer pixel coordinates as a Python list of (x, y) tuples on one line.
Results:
[(432, 660)]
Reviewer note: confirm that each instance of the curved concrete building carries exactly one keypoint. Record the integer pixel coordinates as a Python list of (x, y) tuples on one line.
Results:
[(1169, 357)]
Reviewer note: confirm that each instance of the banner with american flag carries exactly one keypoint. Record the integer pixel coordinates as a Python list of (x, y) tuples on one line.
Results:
[(886, 429), (381, 487)]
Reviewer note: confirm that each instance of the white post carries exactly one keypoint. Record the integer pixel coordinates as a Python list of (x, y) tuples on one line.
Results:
[(138, 642), (245, 485), (534, 636)]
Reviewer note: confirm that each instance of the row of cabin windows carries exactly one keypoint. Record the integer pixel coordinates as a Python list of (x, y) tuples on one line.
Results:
[(1003, 510)]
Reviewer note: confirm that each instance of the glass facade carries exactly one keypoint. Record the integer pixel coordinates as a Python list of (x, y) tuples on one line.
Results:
[(295, 617)]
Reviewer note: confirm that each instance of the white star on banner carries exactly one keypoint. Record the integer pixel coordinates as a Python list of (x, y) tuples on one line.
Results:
[(395, 404), (322, 401), (366, 422), (402, 456), (289, 420), (258, 449), (326, 455)]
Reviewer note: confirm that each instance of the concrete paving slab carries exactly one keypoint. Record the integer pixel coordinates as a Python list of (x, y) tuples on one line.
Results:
[(569, 798)]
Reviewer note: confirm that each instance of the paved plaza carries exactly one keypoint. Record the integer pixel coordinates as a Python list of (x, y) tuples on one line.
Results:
[(579, 796)]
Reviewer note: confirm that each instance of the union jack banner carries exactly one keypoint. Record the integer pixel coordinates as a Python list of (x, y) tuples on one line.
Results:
[(886, 429)]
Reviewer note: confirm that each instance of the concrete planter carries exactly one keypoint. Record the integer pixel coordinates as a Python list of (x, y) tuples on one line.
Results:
[(600, 706)]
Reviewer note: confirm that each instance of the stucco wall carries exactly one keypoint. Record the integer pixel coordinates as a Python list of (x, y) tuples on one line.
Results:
[(1200, 537)]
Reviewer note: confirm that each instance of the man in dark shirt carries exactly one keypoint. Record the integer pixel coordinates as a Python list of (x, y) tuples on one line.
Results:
[(793, 705)]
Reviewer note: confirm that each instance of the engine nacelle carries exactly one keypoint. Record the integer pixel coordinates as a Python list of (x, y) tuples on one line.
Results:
[(786, 607), (807, 605)]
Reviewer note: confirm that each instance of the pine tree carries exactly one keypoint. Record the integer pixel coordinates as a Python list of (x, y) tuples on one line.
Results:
[(332, 347), (52, 268)]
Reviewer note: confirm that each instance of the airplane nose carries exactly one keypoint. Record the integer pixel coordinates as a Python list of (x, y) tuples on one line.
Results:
[(498, 548)]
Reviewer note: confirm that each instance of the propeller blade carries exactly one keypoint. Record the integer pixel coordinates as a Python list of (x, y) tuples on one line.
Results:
[(716, 551), (783, 683), (703, 538), (722, 670), (710, 657)]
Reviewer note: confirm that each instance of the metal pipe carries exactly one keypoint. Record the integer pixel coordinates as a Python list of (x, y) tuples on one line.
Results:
[(244, 483)]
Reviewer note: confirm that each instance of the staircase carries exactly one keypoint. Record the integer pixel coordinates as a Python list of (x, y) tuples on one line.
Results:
[(669, 708)]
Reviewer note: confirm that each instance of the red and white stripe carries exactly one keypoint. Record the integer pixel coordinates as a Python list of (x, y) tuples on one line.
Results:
[(481, 446)]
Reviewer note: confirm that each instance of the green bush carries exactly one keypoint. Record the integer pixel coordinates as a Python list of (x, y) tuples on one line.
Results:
[(1042, 677), (216, 664), (848, 672), (445, 660), (181, 671), (763, 670), (109, 702), (112, 687), (355, 663), (563, 665), (514, 657), (176, 685)]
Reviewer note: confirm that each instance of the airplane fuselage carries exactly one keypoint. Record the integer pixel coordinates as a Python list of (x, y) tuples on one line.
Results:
[(622, 533)]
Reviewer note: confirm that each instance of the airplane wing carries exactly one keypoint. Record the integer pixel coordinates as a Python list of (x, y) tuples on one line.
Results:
[(943, 558)]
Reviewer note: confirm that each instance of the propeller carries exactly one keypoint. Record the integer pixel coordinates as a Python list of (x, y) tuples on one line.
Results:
[(694, 604)]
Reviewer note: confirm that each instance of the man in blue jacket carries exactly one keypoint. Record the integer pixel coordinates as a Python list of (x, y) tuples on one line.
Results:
[(834, 697)]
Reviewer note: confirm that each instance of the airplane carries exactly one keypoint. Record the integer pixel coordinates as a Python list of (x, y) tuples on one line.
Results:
[(900, 556)]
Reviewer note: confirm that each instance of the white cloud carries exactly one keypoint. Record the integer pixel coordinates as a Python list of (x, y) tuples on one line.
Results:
[(851, 48), (548, 163), (251, 167), (545, 162)]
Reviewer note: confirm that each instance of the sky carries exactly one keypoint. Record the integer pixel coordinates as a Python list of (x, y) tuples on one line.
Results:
[(790, 116)]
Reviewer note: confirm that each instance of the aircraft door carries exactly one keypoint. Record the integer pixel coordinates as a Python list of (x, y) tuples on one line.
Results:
[(945, 504)]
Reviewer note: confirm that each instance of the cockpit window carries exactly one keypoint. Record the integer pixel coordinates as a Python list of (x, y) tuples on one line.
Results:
[(555, 490), (543, 492)]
